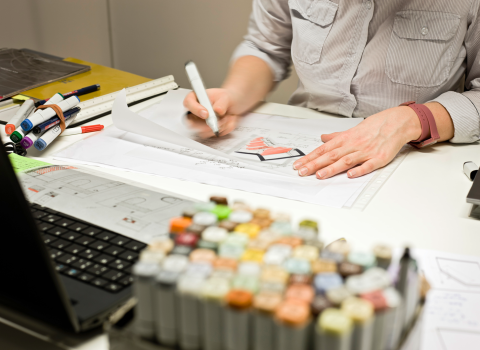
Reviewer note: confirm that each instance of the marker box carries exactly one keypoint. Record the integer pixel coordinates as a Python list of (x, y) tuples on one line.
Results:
[(362, 314), (333, 331), (265, 305), (293, 325), (237, 319)]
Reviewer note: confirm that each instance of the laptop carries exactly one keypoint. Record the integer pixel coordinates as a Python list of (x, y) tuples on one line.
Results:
[(56, 269)]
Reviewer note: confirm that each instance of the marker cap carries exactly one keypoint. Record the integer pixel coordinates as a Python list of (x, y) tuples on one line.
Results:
[(274, 273), (152, 256), (383, 251), (348, 269), (215, 288), (16, 136), (251, 230), (300, 279), (40, 144), (214, 234), (26, 125), (275, 287), (302, 292), (291, 241), (337, 295), (239, 205), (359, 310), (186, 239), (377, 298), (252, 255), (325, 281), (267, 301), (327, 254), (227, 225), (163, 244), (222, 263), (175, 263), (9, 128), (246, 282), (249, 268), (232, 251), (309, 223), (306, 233), (281, 217), (198, 269), (335, 321), (340, 247), (261, 213), (221, 211), (319, 304), (239, 299), (237, 238), (240, 216), (259, 244), (324, 265), (26, 142), (204, 218), (195, 229), (364, 259), (205, 255), (182, 250), (219, 200), (225, 274), (282, 228), (204, 206), (297, 266), (306, 252), (293, 312), (263, 223), (179, 224)]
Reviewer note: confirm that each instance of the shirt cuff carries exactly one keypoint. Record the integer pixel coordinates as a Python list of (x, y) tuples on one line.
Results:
[(464, 114), (248, 48)]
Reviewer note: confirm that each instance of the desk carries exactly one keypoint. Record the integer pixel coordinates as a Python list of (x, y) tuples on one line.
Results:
[(422, 204)]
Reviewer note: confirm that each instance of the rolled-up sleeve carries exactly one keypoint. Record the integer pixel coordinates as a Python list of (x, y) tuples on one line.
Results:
[(269, 36), (464, 107)]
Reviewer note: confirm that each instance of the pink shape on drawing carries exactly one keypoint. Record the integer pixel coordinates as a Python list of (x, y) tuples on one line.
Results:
[(275, 150)]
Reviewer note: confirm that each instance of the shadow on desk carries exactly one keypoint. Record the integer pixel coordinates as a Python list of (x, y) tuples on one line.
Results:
[(13, 339)]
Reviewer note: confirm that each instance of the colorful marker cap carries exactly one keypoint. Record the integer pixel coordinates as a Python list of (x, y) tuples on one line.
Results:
[(261, 213), (306, 233), (326, 281), (319, 304), (239, 299), (377, 298), (227, 225), (306, 252), (214, 234), (259, 244), (222, 263), (364, 259), (323, 266), (347, 269), (237, 238), (291, 241), (205, 255), (219, 200), (274, 273), (26, 125), (240, 216), (198, 269), (359, 310), (39, 144), (221, 211), (195, 229), (249, 268), (252, 255), (327, 254), (282, 228), (263, 223), (302, 292), (335, 322), (175, 262), (297, 266), (251, 230), (337, 295), (16, 137), (300, 279), (232, 251), (309, 223), (267, 301), (26, 142), (204, 218), (340, 247), (179, 224), (215, 289), (281, 217), (246, 282), (293, 312), (186, 239), (163, 244), (182, 250)]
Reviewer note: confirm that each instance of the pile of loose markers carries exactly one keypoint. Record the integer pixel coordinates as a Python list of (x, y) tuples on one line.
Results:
[(234, 278)]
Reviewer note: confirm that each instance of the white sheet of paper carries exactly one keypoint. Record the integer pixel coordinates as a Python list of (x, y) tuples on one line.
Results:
[(157, 142)]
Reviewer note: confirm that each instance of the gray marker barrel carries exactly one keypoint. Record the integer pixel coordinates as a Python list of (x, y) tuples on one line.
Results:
[(333, 331), (213, 293), (293, 325), (143, 273), (394, 319), (362, 314), (265, 304), (165, 307), (189, 307), (237, 319)]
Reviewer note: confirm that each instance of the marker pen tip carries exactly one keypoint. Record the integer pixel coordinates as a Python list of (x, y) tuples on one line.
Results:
[(217, 134)]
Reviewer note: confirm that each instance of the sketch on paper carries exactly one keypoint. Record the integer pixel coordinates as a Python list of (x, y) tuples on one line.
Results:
[(453, 339), (266, 149), (463, 271)]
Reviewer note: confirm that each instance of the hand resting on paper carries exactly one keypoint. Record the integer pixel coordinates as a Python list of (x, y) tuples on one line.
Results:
[(224, 106), (371, 144)]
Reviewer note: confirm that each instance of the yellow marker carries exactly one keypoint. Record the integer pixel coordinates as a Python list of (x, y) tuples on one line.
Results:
[(307, 252), (261, 213), (252, 255), (324, 265), (274, 273), (309, 223), (251, 230)]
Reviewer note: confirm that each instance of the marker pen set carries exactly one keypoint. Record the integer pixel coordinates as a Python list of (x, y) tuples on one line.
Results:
[(234, 278)]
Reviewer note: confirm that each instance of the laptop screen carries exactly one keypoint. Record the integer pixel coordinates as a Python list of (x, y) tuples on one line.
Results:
[(29, 283)]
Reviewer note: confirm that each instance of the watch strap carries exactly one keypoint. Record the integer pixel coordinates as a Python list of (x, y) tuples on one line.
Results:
[(427, 121)]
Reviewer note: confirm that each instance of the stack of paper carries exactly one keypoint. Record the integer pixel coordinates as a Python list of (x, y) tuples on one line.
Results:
[(256, 157)]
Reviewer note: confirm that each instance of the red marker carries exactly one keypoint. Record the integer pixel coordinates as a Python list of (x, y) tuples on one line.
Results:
[(82, 130)]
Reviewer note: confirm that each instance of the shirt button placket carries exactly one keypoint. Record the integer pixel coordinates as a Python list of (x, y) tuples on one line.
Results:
[(424, 30), (368, 4)]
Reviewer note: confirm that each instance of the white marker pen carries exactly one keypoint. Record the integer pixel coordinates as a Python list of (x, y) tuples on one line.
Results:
[(199, 88), (44, 114)]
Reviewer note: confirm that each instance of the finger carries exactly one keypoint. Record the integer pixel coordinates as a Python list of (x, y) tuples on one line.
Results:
[(341, 165), (328, 137), (365, 168), (221, 105), (323, 161), (194, 107), (319, 151)]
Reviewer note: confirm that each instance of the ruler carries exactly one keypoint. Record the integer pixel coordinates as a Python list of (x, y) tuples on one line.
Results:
[(103, 104)]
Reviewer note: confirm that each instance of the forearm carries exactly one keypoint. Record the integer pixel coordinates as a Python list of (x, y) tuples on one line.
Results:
[(442, 119), (249, 80)]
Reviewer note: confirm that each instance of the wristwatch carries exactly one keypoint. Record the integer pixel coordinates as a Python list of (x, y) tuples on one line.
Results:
[(429, 127)]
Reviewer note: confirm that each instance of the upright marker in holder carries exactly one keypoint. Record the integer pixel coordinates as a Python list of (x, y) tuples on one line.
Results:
[(333, 331), (237, 320), (26, 108), (293, 325), (43, 115)]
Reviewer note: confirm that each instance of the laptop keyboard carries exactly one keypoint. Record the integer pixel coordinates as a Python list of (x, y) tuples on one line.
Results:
[(85, 252)]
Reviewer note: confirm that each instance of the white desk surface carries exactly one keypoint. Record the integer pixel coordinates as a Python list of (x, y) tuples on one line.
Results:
[(422, 204)]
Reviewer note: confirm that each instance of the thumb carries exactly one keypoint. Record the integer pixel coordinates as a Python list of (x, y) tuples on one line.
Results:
[(221, 105), (328, 137)]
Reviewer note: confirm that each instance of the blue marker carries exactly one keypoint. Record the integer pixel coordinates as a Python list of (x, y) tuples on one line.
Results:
[(325, 281), (55, 120)]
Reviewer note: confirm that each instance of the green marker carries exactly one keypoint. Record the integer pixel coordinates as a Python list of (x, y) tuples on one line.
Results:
[(17, 135), (221, 211)]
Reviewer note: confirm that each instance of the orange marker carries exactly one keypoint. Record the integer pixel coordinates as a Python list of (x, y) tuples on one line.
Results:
[(303, 292), (293, 319), (237, 329), (265, 305), (179, 224), (222, 263)]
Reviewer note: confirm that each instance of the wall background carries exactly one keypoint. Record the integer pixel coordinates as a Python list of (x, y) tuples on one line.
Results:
[(152, 38)]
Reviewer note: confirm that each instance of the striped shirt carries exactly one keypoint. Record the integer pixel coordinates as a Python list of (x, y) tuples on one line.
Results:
[(356, 58)]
